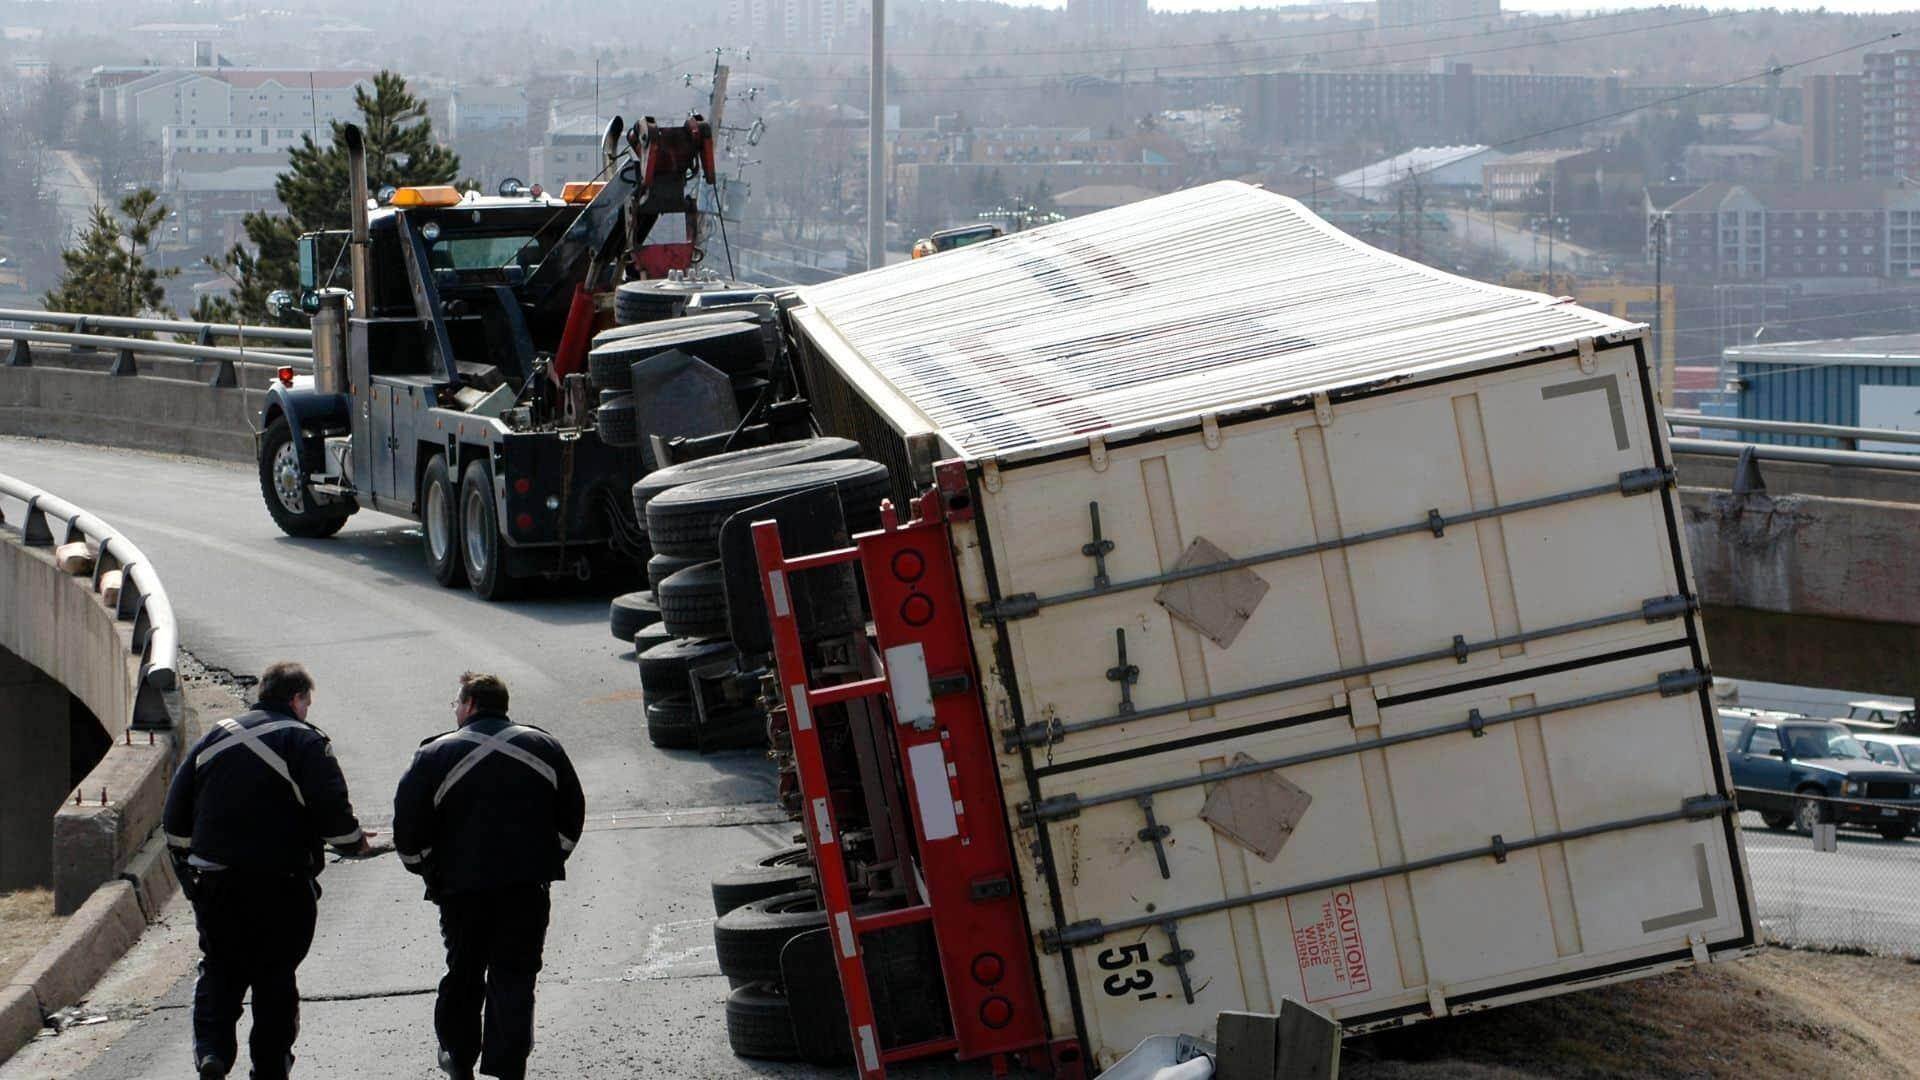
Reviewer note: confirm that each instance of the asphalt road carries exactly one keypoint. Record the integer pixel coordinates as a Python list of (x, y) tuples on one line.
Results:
[(630, 987)]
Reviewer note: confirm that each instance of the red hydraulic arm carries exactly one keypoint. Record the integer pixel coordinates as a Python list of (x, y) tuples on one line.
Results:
[(940, 735)]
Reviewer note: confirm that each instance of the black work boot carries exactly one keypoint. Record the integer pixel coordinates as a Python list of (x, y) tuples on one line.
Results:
[(211, 1068), (453, 1069)]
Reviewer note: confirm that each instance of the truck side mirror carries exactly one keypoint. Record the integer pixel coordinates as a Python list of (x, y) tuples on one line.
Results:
[(278, 301)]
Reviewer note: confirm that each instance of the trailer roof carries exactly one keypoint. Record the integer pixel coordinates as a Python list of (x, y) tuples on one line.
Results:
[(1203, 301)]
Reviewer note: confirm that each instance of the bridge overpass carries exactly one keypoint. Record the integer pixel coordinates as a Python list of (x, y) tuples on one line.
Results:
[(1806, 559)]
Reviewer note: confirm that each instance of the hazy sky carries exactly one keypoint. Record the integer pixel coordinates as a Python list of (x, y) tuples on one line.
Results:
[(1851, 6)]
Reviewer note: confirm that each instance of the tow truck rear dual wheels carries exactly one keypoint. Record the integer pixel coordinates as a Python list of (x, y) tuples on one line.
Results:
[(283, 484)]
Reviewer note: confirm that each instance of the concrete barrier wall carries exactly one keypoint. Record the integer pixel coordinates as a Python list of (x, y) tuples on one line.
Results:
[(139, 412), (58, 624)]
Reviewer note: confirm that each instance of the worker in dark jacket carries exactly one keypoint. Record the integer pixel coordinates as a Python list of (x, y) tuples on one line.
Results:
[(487, 814), (250, 810)]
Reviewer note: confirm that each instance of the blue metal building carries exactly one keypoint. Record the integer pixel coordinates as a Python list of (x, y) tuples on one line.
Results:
[(1856, 382)]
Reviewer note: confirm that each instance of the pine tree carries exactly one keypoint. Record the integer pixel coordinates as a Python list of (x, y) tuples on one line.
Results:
[(401, 151), (108, 273)]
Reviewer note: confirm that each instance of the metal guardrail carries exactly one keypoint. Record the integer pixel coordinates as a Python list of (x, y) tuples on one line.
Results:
[(1849, 438), (126, 350), (1813, 455), (156, 637), (206, 332)]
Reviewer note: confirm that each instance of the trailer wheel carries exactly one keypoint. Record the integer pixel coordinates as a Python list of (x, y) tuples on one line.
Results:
[(662, 567), (440, 523), (630, 612), (646, 638), (617, 422), (284, 486), (673, 723), (760, 1023), (666, 670), (693, 602), (737, 462), (645, 301), (749, 938), (610, 369), (782, 870), (686, 520), (480, 543)]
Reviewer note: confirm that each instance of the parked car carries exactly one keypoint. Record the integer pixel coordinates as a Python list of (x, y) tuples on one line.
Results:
[(1786, 768), (1899, 750)]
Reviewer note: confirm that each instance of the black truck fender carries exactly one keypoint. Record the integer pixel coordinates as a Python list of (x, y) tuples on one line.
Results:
[(310, 414)]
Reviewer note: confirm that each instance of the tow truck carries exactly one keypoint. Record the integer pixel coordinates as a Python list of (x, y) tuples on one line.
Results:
[(448, 383)]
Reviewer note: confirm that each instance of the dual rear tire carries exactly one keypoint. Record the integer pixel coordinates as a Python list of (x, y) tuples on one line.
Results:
[(460, 530)]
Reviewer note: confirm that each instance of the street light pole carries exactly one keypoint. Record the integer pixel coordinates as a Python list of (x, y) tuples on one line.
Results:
[(876, 138), (1659, 296)]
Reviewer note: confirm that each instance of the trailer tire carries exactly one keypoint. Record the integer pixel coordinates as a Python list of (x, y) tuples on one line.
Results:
[(662, 567), (481, 549), (645, 301), (630, 612), (617, 422), (686, 520), (646, 638), (666, 670), (748, 939), (760, 1023), (673, 723), (737, 462), (440, 523), (781, 870), (693, 602), (283, 485)]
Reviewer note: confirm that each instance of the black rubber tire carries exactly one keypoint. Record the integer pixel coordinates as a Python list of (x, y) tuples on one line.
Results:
[(306, 520), (440, 497), (674, 723), (646, 301), (748, 939), (662, 567), (693, 602), (760, 1023), (617, 422), (492, 579), (1808, 812), (666, 670), (782, 870), (1777, 822), (1894, 833), (610, 369), (647, 637), (721, 317), (630, 612), (736, 462), (686, 520)]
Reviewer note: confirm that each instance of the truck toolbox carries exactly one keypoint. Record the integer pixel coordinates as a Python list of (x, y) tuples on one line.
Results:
[(1333, 629)]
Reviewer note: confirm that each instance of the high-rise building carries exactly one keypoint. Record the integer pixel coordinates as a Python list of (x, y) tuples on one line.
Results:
[(1831, 141), (1106, 18), (1890, 114), (811, 23), (1421, 12)]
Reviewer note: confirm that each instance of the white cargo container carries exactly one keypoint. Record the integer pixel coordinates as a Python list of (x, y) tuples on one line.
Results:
[(1333, 615)]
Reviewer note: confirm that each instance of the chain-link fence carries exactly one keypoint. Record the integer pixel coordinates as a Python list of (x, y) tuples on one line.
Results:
[(1863, 893)]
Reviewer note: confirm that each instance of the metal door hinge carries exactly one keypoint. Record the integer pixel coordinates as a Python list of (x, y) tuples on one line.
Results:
[(1210, 430), (1322, 410), (1018, 606), (1587, 360), (1097, 453), (990, 474)]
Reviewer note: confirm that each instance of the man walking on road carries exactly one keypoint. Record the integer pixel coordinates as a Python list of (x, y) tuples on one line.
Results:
[(487, 814), (246, 820)]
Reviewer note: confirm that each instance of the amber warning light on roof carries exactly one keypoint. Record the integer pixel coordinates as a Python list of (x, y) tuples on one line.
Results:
[(581, 191), (436, 195)]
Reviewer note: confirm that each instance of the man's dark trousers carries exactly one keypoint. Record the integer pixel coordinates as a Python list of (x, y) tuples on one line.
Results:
[(254, 931), (494, 942)]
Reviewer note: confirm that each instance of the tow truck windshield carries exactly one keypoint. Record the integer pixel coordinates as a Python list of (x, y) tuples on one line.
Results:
[(470, 252)]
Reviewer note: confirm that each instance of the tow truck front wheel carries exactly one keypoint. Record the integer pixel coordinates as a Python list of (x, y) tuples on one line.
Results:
[(481, 546), (440, 523), (283, 484)]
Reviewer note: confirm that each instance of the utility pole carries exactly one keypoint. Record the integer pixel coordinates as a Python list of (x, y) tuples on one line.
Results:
[(876, 140), (1419, 217), (1659, 296), (1551, 226)]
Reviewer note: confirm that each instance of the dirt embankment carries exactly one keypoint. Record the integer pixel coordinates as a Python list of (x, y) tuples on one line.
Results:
[(1783, 1014)]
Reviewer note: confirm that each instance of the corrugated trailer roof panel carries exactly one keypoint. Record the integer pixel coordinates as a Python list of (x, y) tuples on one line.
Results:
[(1201, 301)]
